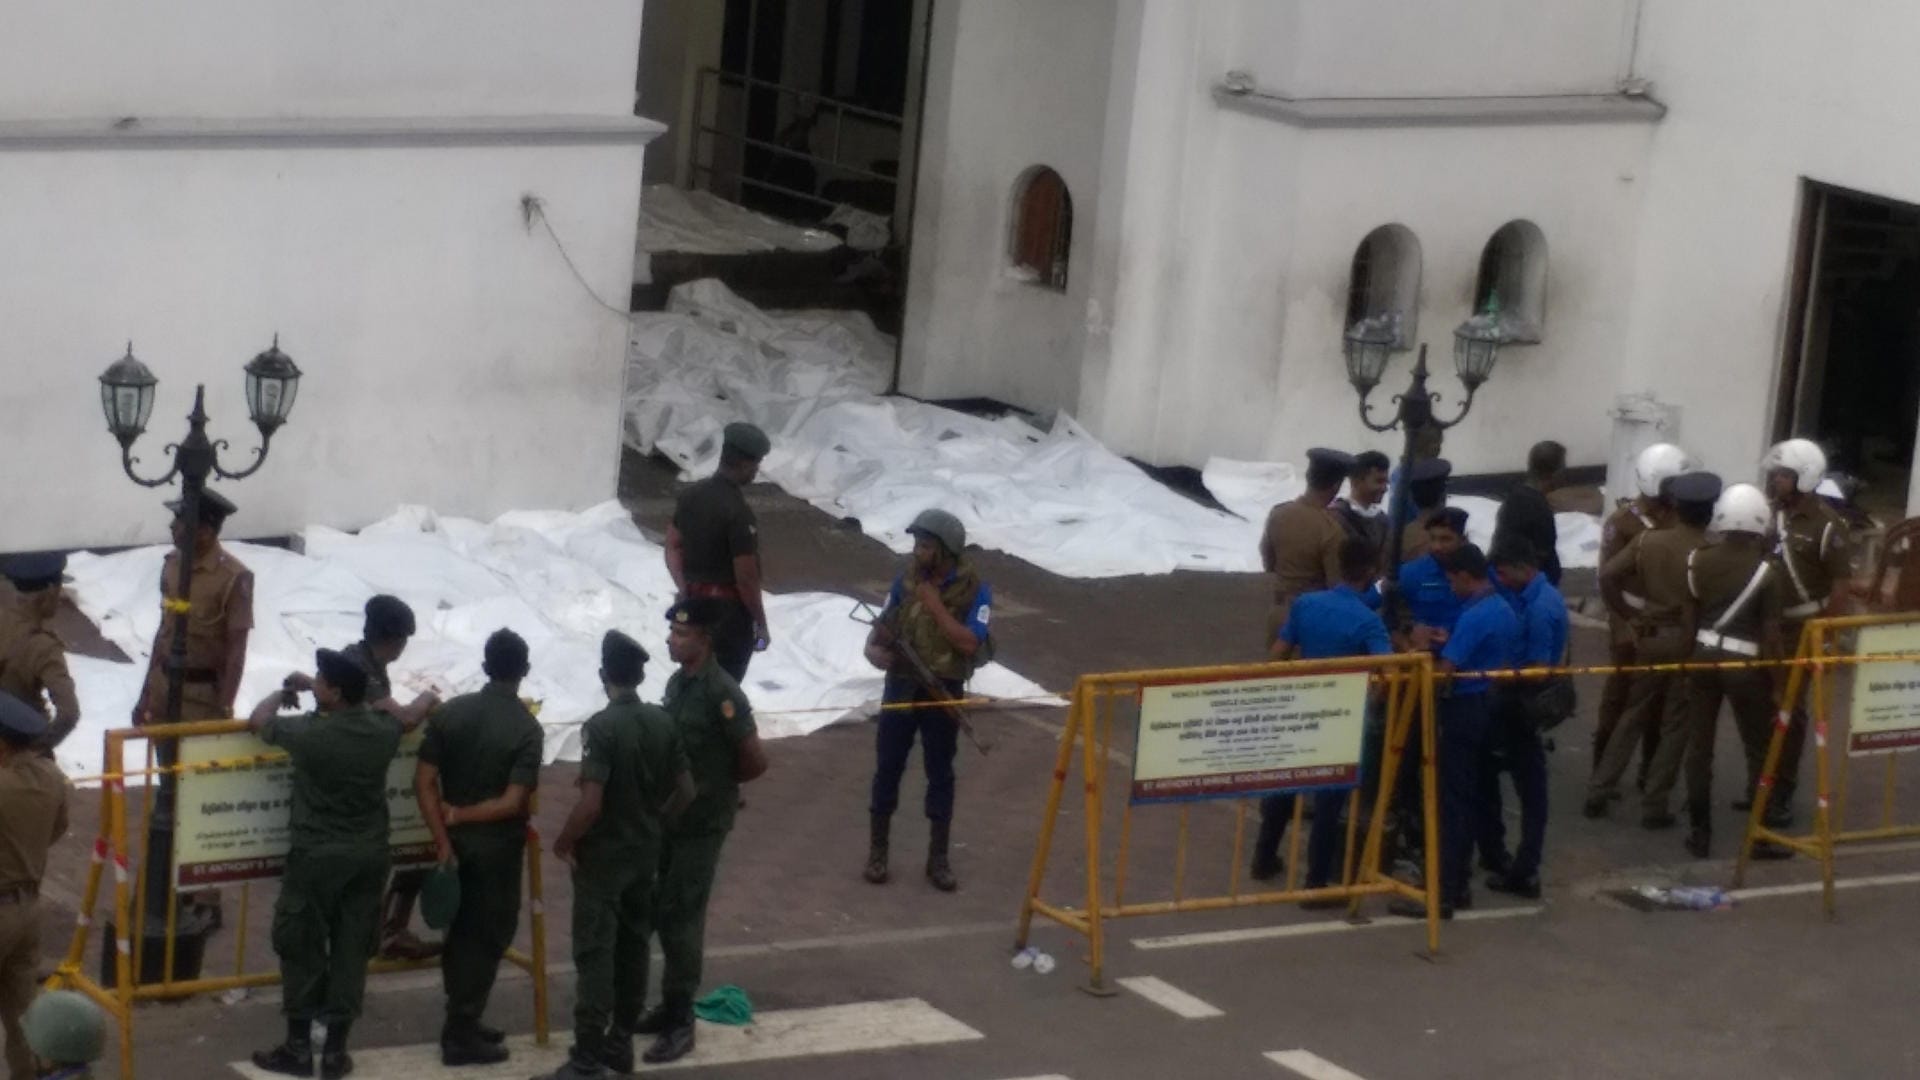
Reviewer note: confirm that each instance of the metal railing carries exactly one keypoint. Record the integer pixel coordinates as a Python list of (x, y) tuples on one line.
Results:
[(730, 126)]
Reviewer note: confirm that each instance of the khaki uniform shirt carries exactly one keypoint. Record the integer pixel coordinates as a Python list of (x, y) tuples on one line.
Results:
[(1718, 574), (340, 764), (222, 604), (634, 752), (1810, 545), (33, 814), (33, 668), (713, 719), (1626, 522), (1658, 558), (1305, 542), (482, 743)]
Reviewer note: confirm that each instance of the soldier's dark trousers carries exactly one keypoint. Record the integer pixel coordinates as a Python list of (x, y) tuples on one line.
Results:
[(326, 926), (1751, 695), (1613, 705), (612, 904), (1786, 775), (1465, 725), (893, 740), (1324, 835), (1514, 748), (491, 867), (1651, 698), (733, 640), (19, 963), (687, 868)]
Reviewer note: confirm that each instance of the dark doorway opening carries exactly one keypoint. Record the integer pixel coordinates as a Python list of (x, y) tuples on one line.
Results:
[(1851, 374)]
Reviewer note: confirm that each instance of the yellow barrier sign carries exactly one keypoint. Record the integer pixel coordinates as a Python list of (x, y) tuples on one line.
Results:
[(1886, 697), (1237, 738), (232, 820)]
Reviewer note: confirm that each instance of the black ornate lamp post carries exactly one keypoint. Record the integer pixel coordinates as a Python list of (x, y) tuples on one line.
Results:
[(126, 397), (1369, 346)]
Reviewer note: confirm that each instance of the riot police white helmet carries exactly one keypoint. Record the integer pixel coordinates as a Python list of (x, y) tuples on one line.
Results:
[(1801, 457), (1741, 508), (1658, 464)]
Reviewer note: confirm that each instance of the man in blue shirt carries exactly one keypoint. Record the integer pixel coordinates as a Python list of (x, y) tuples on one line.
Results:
[(1323, 625), (1423, 580), (939, 608), (1486, 637), (1515, 745)]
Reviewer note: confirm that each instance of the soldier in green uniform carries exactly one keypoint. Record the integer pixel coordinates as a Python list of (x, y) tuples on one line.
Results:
[(327, 920), (713, 548), (1658, 558), (383, 639), (67, 1033), (479, 765), (33, 659), (634, 780), (33, 814), (723, 746)]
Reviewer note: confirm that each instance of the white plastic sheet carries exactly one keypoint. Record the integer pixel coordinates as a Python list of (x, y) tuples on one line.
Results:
[(1056, 498), (560, 580)]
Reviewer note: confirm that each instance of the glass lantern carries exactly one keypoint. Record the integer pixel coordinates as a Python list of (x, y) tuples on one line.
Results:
[(126, 397)]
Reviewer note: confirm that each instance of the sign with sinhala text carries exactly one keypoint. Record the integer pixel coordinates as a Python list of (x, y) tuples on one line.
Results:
[(1243, 737), (1886, 697), (233, 820)]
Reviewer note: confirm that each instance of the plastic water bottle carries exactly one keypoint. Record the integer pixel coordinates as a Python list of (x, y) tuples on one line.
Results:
[(1042, 964), (1700, 897), (1023, 959)]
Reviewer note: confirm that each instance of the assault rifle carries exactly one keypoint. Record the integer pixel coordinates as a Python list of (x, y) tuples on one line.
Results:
[(864, 614)]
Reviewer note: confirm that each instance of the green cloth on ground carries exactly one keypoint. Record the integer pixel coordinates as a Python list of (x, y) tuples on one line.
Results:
[(725, 1005)]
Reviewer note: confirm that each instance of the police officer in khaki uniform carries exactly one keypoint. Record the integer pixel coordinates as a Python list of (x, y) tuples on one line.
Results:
[(634, 780), (713, 548), (1809, 540), (33, 659), (1735, 596), (723, 747), (1426, 492), (1659, 559), (1655, 465), (479, 766), (1301, 544), (326, 923), (219, 616), (33, 814)]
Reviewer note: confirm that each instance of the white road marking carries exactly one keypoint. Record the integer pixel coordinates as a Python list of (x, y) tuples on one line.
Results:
[(1764, 891), (1049, 1076), (1171, 998), (786, 1033), (1336, 926), (1311, 1065)]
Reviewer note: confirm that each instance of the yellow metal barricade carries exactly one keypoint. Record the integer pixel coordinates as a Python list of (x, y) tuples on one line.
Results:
[(112, 848), (1810, 686), (1405, 681)]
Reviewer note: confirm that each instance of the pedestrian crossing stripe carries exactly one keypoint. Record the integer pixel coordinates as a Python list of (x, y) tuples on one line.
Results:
[(1310, 1065), (861, 1027)]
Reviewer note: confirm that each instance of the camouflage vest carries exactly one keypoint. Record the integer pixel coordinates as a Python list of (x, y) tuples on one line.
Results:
[(921, 633)]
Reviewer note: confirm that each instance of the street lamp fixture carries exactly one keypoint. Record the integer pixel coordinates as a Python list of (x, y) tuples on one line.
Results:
[(1369, 345), (126, 398)]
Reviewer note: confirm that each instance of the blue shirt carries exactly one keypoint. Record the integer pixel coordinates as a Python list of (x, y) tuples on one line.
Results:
[(1486, 637), (979, 611), (1543, 622), (1333, 623), (1429, 594)]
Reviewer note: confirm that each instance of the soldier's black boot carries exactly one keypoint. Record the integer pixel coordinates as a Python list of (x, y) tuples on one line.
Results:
[(293, 1057), (334, 1061), (676, 1041), (876, 872), (616, 1051), (654, 1021), (939, 871), (463, 1043)]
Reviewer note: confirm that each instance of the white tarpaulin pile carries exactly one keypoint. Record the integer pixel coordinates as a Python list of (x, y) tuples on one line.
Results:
[(1251, 488), (1056, 498), (560, 580)]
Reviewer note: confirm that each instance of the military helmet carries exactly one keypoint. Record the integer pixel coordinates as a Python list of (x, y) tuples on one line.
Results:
[(1658, 464), (941, 526), (1801, 457), (64, 1028), (1741, 508)]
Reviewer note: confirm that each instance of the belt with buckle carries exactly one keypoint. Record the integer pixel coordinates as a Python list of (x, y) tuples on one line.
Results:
[(1737, 646)]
